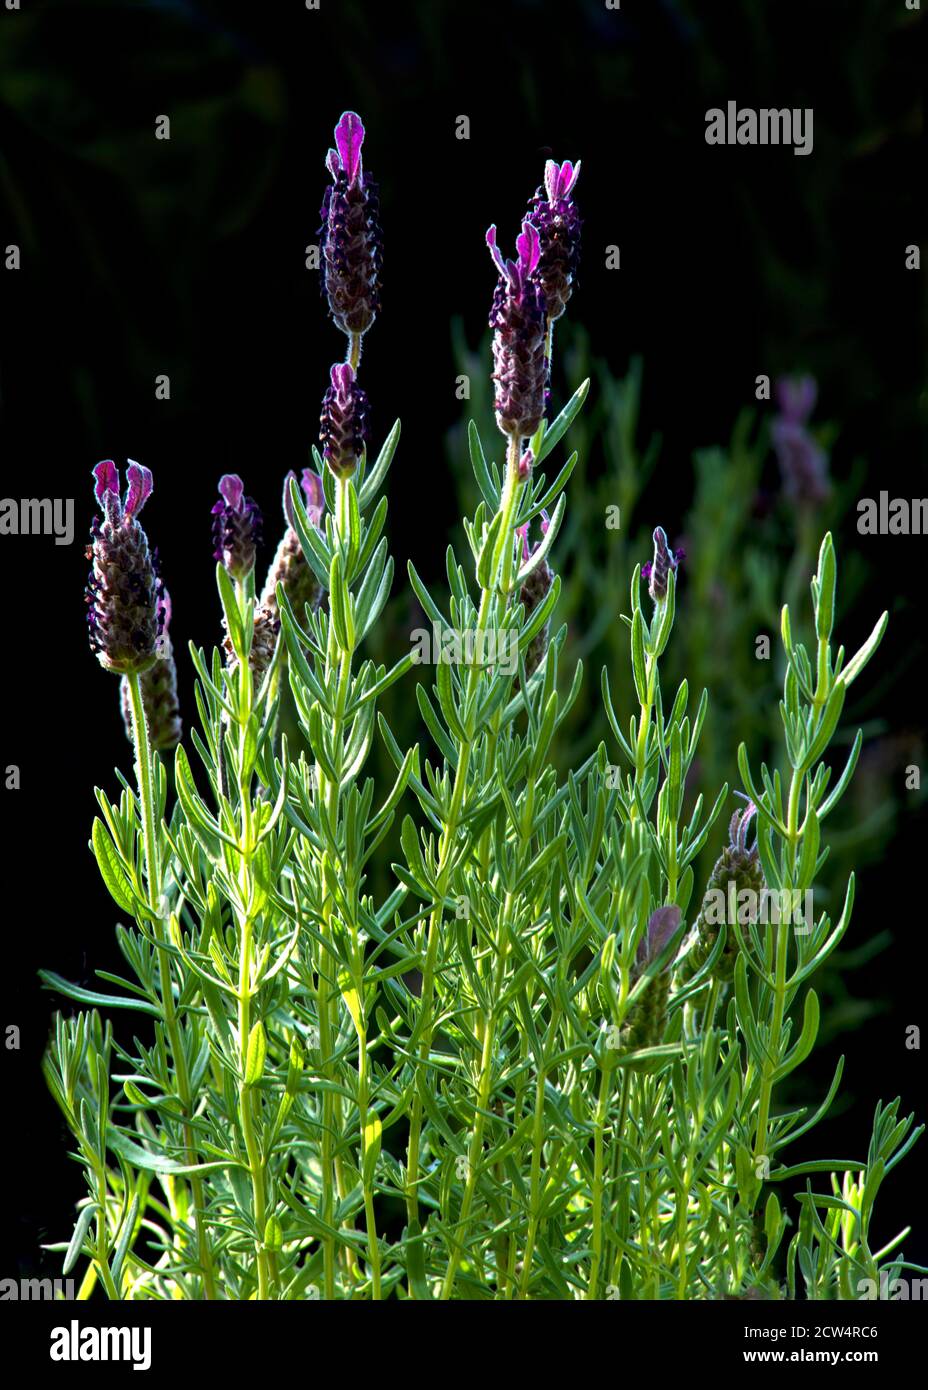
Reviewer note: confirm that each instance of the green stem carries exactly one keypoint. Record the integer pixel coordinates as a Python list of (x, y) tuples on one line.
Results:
[(772, 1055), (602, 1110), (153, 874), (249, 1102), (449, 833)]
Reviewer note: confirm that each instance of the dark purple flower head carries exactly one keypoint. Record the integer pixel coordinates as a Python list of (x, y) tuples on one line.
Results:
[(553, 213), (662, 924), (350, 238), (123, 593), (343, 429), (236, 527), (664, 562), (518, 318)]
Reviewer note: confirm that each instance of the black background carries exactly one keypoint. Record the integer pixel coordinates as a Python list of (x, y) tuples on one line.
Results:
[(186, 257)]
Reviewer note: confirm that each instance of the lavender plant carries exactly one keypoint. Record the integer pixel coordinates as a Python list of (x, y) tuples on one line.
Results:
[(551, 1045)]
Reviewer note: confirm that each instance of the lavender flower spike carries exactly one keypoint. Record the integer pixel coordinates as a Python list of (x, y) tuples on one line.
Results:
[(123, 591), (664, 562), (159, 692), (533, 592), (343, 429), (518, 318), (554, 215), (803, 463), (291, 569), (236, 527), (350, 237)]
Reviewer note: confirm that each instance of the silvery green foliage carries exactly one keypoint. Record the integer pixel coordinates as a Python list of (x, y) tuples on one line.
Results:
[(510, 1045)]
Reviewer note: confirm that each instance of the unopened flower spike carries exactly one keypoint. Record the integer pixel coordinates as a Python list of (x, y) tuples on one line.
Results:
[(517, 317), (645, 1027), (291, 569), (350, 237), (343, 429), (236, 527), (803, 462), (665, 561), (533, 592), (738, 870), (159, 691), (123, 591)]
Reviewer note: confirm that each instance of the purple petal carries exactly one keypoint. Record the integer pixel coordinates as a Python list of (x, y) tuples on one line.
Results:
[(315, 497), (528, 245), (332, 163), (523, 532), (545, 522), (349, 137), (107, 480), (560, 178), (342, 376), (494, 249), (231, 489), (139, 489)]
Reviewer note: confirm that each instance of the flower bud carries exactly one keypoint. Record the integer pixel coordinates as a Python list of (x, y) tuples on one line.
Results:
[(290, 566), (656, 571), (236, 527), (533, 592), (350, 237), (737, 869), (518, 320), (123, 591), (343, 429), (645, 1027)]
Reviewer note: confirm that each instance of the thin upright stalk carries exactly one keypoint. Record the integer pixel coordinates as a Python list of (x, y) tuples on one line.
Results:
[(508, 504), (153, 875)]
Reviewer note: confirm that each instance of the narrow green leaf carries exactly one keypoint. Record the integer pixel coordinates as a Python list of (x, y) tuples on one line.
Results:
[(256, 1053)]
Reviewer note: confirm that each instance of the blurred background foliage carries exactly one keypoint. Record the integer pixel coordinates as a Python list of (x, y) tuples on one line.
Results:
[(187, 257)]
